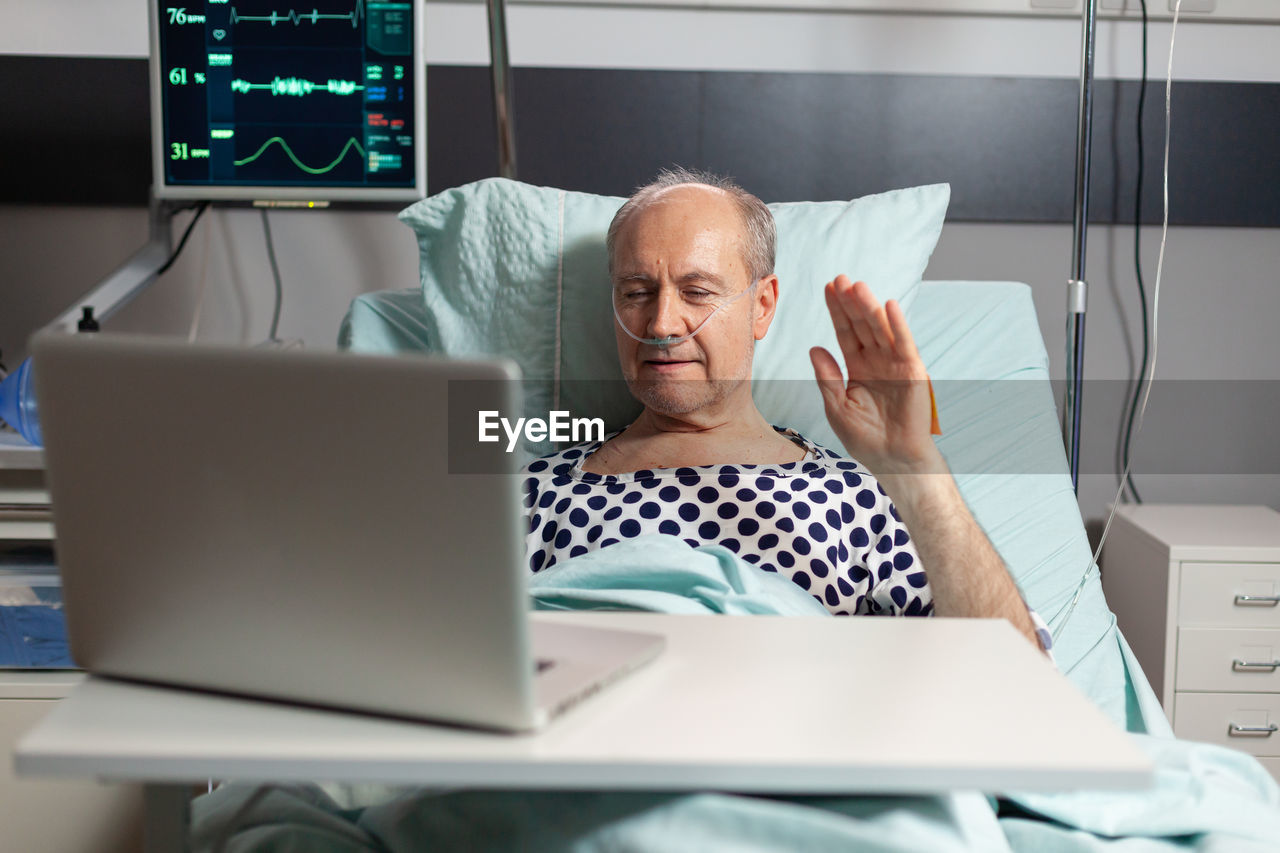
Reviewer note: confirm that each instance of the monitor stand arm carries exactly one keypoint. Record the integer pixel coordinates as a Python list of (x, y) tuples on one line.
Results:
[(130, 278)]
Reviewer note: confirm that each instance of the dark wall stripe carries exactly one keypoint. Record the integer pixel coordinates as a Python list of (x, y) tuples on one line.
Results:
[(76, 131)]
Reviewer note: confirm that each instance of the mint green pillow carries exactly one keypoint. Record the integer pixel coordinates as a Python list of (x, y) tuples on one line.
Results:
[(520, 271), (884, 239)]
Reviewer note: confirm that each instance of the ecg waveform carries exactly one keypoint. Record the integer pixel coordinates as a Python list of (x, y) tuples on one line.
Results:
[(310, 170), (296, 18), (297, 87)]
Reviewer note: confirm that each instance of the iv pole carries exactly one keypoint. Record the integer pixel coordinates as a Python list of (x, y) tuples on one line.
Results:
[(1077, 287), (500, 69)]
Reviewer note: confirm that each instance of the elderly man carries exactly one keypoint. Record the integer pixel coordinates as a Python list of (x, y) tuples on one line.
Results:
[(691, 257)]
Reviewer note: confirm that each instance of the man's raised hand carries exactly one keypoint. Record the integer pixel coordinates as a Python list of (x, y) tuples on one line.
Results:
[(883, 412)]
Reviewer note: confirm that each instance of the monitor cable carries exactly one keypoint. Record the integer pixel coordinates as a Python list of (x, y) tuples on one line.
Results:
[(201, 287), (272, 336), (200, 208)]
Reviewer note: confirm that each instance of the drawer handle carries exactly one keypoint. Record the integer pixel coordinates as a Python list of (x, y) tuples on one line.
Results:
[(1244, 666), (1251, 731), (1257, 600)]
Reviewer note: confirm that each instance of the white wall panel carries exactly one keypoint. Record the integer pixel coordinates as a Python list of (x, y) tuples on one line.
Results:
[(1208, 10), (695, 36)]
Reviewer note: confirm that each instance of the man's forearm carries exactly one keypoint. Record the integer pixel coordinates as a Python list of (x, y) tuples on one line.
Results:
[(966, 575)]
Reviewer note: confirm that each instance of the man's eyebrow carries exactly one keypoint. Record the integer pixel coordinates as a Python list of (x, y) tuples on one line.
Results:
[(703, 276), (691, 277), (624, 278)]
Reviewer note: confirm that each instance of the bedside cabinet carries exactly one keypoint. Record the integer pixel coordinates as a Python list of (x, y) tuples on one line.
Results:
[(1196, 591)]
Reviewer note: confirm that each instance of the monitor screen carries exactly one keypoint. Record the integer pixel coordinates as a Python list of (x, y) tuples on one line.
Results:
[(258, 100)]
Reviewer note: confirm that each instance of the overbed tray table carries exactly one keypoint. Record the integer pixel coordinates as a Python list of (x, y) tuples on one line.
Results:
[(747, 704)]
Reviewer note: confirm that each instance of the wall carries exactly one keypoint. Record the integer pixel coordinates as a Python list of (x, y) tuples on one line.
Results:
[(53, 255), (1220, 292)]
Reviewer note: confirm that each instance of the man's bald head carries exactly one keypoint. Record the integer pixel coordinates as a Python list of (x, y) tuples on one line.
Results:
[(759, 235)]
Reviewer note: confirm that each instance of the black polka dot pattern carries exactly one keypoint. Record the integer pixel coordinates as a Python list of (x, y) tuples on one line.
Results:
[(822, 522)]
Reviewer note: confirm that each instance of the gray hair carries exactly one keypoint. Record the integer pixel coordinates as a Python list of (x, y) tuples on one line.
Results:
[(760, 235)]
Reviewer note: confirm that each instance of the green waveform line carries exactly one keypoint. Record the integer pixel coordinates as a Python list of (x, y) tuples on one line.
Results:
[(297, 86), (303, 166), (296, 19)]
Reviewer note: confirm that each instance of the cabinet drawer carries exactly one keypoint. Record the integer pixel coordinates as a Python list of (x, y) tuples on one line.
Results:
[(1272, 766), (1207, 716), (1217, 594), (1228, 660)]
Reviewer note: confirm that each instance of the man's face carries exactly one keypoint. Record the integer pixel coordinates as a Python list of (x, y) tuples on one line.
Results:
[(674, 261)]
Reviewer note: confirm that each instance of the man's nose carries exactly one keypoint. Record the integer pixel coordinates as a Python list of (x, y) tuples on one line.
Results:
[(668, 315)]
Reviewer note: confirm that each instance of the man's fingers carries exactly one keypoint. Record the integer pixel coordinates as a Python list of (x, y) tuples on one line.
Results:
[(865, 315), (827, 372), (904, 343), (847, 299), (873, 314), (849, 343)]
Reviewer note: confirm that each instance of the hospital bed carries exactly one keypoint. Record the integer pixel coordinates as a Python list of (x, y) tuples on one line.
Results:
[(516, 270)]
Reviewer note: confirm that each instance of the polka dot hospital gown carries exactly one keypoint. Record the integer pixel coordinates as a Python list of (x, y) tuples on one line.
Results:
[(824, 522)]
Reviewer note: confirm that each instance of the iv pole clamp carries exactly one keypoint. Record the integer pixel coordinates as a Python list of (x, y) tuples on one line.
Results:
[(1077, 287), (130, 278)]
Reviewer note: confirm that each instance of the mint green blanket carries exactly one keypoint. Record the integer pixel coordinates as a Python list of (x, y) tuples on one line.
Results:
[(1205, 798)]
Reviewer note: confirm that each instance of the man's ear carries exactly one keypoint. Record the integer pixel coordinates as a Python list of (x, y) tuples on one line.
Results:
[(764, 304)]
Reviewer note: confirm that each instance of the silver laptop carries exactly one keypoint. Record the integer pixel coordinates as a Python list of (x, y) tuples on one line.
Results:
[(299, 526)]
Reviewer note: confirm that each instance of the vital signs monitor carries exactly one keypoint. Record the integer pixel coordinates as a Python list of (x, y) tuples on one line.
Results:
[(280, 100)]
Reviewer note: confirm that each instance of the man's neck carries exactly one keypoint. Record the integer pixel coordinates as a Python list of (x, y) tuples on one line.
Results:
[(720, 425), (665, 440)]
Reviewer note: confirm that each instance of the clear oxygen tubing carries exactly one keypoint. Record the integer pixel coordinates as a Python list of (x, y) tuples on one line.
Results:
[(671, 340), (1155, 322)]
